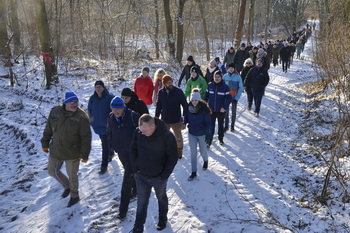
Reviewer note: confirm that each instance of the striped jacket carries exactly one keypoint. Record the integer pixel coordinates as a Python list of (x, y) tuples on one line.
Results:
[(218, 96)]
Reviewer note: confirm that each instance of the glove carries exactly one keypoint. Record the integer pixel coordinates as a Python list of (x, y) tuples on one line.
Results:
[(84, 160), (46, 150)]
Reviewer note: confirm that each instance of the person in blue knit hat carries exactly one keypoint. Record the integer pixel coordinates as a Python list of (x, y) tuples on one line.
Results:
[(67, 137), (122, 123)]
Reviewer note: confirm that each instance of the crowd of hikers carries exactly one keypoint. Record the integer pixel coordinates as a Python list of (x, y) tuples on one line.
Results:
[(147, 149)]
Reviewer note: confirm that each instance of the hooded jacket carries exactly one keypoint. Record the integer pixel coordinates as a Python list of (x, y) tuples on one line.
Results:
[(186, 72), (198, 82), (143, 88), (169, 105), (218, 96), (257, 78), (137, 105), (199, 123), (120, 131), (234, 81), (99, 109), (67, 134), (156, 155)]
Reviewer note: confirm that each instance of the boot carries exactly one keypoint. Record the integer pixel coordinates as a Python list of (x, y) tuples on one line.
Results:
[(73, 201), (162, 223), (192, 176), (205, 165), (179, 153), (65, 193)]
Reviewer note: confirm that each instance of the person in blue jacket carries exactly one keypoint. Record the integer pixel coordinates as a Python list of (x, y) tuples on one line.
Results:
[(219, 98), (122, 123), (99, 109), (197, 118), (234, 81)]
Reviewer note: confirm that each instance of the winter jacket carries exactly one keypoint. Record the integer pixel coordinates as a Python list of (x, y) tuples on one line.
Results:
[(257, 78), (234, 81), (99, 109), (120, 130), (228, 59), (244, 73), (143, 88), (169, 104), (209, 76), (299, 47), (218, 96), (137, 105), (240, 57), (285, 53), (156, 155), (252, 56), (67, 134), (198, 82), (222, 68), (275, 52), (199, 123), (186, 72)]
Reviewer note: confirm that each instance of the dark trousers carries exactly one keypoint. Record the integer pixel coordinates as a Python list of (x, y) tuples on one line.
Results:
[(128, 183), (249, 97), (233, 114), (144, 187), (257, 95), (105, 150), (220, 116), (285, 64)]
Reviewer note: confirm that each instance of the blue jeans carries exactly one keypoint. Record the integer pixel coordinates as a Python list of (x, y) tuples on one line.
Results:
[(144, 187), (257, 95), (194, 140), (233, 114), (105, 150)]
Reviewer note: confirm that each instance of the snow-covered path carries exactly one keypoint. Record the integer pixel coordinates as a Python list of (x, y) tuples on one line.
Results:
[(248, 187)]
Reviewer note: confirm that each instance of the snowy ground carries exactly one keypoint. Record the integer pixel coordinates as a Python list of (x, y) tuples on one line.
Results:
[(255, 182)]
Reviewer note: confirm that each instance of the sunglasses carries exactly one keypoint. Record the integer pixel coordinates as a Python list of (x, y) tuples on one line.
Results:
[(73, 102)]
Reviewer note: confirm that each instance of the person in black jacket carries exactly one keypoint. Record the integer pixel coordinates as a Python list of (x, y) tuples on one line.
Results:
[(257, 80), (133, 102), (240, 57), (170, 100), (122, 123), (248, 65), (153, 158), (186, 72), (285, 56)]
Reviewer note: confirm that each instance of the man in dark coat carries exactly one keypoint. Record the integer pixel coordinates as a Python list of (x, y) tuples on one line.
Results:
[(240, 57), (98, 108), (133, 102), (122, 123), (285, 56), (257, 79), (170, 100), (186, 72), (153, 158)]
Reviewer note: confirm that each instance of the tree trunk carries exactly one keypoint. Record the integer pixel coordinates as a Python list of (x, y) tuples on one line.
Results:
[(44, 35), (204, 22), (180, 31), (169, 29), (156, 29), (239, 32), (15, 28), (250, 36), (5, 51), (267, 19)]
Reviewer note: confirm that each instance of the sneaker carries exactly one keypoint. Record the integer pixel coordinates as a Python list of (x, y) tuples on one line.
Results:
[(192, 176), (205, 165), (102, 171), (121, 215), (162, 223), (73, 201), (221, 142), (232, 128), (65, 193), (256, 114)]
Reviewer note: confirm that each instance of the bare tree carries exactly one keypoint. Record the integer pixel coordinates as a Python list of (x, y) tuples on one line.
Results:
[(205, 30), (169, 29), (267, 17), (5, 51), (239, 32), (15, 27), (44, 35), (251, 21), (180, 31), (156, 29)]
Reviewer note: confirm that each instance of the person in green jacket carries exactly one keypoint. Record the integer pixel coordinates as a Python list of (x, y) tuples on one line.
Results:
[(67, 137), (196, 81)]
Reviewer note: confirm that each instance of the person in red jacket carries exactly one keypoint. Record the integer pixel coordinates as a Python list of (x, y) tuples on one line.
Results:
[(143, 87)]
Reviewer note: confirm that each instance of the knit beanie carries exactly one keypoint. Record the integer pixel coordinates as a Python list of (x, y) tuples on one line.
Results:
[(166, 78), (117, 102), (99, 82), (126, 92), (196, 96), (190, 58), (145, 69), (70, 96), (195, 69)]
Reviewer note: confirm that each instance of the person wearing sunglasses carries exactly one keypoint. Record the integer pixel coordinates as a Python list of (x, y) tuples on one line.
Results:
[(67, 139)]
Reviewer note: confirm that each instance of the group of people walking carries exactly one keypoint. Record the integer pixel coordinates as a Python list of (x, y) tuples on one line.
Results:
[(146, 148)]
